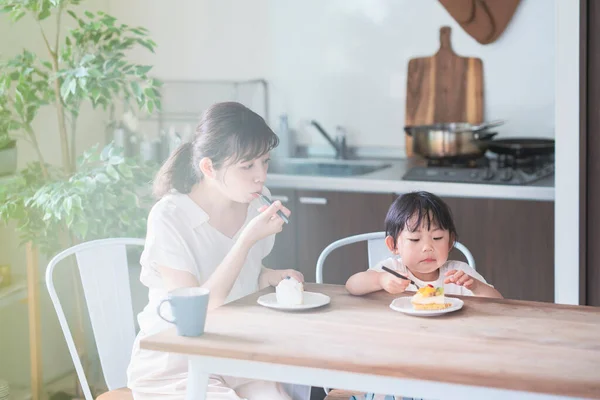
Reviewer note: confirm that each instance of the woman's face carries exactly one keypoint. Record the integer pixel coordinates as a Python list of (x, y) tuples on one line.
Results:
[(241, 180)]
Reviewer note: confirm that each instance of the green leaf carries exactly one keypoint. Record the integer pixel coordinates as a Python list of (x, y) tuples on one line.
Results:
[(150, 106), (137, 90), (143, 69), (146, 44), (70, 219), (81, 72), (18, 15), (106, 153), (150, 93), (72, 14), (109, 21), (65, 88), (115, 160), (77, 200), (68, 205), (44, 14), (89, 14), (125, 170), (102, 178), (113, 173), (95, 93), (87, 58)]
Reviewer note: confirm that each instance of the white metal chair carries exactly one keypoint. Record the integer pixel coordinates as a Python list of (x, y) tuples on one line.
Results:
[(104, 276), (377, 251), (104, 273)]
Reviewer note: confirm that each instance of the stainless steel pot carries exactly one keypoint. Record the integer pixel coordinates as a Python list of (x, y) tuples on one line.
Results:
[(451, 140)]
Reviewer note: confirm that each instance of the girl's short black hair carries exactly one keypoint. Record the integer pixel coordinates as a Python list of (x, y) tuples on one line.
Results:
[(426, 207)]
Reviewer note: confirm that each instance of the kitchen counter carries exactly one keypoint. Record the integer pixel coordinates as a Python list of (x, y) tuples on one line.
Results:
[(389, 180)]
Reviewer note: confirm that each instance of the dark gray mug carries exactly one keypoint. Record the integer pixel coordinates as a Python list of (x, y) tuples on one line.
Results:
[(189, 307)]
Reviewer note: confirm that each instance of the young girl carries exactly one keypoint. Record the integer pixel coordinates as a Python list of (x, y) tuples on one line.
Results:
[(420, 233), (208, 229)]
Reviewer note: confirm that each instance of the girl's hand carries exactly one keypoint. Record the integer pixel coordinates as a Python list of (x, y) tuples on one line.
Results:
[(392, 284), (265, 224), (277, 275), (460, 278)]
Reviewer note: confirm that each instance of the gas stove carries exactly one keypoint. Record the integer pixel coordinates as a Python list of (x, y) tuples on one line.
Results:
[(500, 170)]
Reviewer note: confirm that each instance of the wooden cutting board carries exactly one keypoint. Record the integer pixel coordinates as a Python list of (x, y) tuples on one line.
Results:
[(443, 88)]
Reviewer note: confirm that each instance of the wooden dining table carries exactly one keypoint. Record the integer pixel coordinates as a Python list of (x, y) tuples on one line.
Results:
[(489, 349)]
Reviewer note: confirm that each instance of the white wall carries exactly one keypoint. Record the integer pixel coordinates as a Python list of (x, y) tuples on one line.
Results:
[(566, 204), (343, 62), (207, 39)]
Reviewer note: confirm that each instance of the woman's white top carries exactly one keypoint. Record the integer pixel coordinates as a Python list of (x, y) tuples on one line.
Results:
[(180, 236)]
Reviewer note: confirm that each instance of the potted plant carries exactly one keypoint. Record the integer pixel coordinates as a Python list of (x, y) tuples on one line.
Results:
[(87, 64), (99, 193)]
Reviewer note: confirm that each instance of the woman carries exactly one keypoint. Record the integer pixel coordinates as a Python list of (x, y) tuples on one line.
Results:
[(208, 229)]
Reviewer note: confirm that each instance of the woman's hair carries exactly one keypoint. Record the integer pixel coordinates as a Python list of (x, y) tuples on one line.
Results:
[(228, 133), (424, 207)]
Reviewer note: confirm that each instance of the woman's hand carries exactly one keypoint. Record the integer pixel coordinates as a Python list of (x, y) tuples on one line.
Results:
[(265, 224), (272, 277), (392, 284)]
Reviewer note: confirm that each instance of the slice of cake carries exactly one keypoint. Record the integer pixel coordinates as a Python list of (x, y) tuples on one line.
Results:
[(429, 298), (290, 292)]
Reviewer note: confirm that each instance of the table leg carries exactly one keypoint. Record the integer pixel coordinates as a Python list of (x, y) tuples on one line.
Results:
[(197, 380)]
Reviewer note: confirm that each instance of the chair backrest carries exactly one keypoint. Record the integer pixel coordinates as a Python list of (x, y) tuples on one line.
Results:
[(104, 276), (377, 250)]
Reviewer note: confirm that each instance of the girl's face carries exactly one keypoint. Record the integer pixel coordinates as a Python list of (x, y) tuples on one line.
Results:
[(423, 250), (239, 181)]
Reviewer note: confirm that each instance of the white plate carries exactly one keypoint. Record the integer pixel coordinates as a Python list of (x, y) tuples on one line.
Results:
[(311, 300), (403, 304)]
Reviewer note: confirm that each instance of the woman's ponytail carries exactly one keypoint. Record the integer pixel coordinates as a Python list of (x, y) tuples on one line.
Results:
[(177, 172)]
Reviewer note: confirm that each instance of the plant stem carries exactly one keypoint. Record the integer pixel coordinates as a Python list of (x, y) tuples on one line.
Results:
[(60, 110), (73, 139)]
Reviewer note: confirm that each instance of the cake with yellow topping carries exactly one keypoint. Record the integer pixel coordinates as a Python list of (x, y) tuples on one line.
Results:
[(429, 298)]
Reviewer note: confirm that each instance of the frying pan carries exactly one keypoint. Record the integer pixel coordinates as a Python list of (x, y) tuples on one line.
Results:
[(521, 147)]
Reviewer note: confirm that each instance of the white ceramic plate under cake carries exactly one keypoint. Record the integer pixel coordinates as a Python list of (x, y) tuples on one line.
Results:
[(311, 300), (403, 305)]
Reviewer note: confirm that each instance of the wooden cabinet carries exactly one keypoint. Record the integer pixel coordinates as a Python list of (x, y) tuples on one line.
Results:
[(512, 241), (318, 219), (324, 217), (283, 255)]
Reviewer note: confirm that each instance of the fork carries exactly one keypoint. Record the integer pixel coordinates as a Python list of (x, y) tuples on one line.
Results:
[(268, 202), (391, 271)]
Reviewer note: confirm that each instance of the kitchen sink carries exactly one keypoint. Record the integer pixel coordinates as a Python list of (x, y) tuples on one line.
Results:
[(324, 167)]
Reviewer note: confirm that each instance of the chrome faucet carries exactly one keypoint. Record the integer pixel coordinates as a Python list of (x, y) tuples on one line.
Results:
[(339, 144)]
